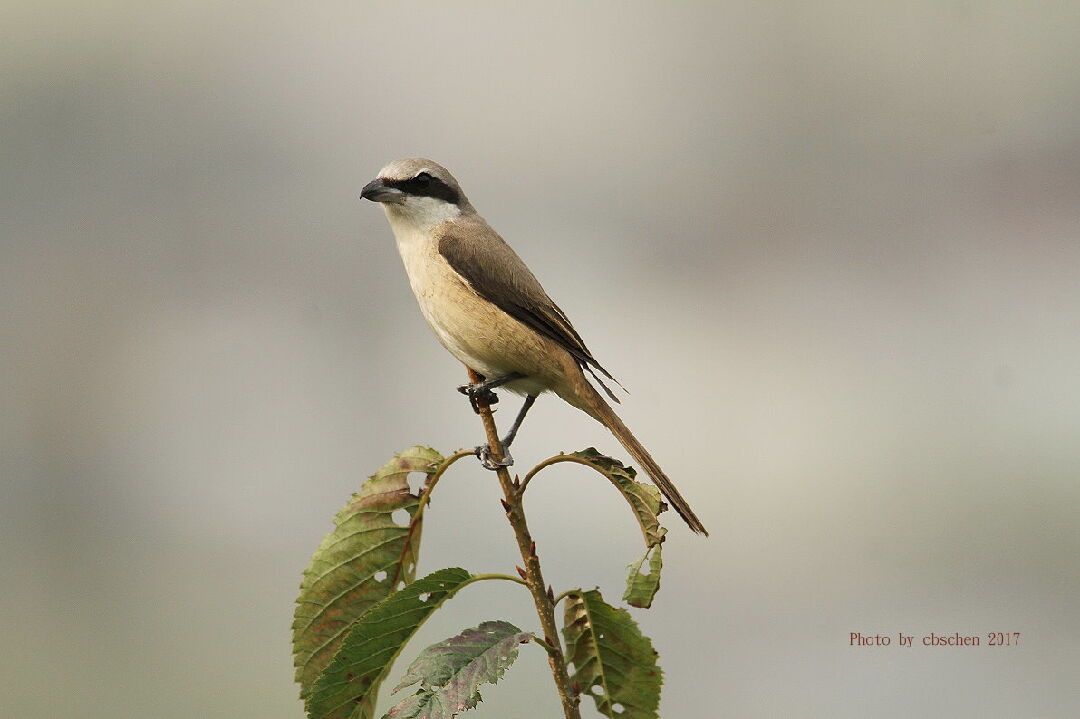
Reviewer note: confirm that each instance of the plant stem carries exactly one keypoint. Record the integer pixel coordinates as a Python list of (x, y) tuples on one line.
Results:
[(563, 595), (425, 496), (485, 577), (554, 460), (421, 505), (534, 579)]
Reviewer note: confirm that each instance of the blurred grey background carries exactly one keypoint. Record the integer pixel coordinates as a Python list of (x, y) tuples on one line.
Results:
[(833, 249)]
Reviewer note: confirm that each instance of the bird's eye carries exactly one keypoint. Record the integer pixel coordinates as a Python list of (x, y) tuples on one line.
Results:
[(423, 179)]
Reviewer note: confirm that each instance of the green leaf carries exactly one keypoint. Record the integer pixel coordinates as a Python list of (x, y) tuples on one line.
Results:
[(451, 672), (641, 586), (349, 685), (364, 560), (613, 661), (647, 504)]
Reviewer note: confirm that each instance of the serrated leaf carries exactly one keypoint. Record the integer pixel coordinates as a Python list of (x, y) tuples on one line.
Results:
[(360, 563), (647, 504), (450, 673), (350, 683), (613, 661), (641, 586), (644, 499)]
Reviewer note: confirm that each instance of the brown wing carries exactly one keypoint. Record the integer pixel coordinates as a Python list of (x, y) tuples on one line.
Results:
[(496, 273)]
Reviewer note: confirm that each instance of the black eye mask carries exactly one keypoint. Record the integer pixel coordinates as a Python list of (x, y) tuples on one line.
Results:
[(424, 185)]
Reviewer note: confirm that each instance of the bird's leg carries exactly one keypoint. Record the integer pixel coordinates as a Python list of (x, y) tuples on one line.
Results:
[(481, 391), (529, 399), (484, 452)]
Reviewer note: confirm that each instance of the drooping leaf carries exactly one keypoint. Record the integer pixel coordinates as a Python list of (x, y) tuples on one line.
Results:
[(349, 685), (641, 586), (647, 504), (613, 661), (644, 499), (450, 673), (365, 558)]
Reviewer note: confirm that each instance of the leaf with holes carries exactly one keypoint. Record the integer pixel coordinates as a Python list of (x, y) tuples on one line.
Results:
[(451, 672), (349, 685), (647, 504), (367, 556), (613, 661), (644, 580)]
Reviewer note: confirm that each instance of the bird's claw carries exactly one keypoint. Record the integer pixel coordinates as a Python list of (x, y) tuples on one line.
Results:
[(477, 394), (488, 461)]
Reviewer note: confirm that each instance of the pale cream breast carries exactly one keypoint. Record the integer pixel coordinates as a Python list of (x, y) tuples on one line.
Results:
[(472, 329)]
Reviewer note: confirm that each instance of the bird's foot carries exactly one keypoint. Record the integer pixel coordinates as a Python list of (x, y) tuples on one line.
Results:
[(478, 393), (488, 461)]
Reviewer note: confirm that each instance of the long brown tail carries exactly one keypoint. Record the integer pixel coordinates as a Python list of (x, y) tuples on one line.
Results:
[(602, 412)]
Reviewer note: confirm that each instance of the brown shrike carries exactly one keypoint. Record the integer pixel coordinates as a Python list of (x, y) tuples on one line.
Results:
[(488, 309)]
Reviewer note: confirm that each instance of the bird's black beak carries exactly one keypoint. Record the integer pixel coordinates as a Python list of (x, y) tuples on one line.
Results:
[(378, 191)]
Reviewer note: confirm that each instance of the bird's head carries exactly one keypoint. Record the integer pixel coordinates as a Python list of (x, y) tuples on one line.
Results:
[(418, 191)]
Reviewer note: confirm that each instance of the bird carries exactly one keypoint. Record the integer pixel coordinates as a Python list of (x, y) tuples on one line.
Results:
[(490, 312)]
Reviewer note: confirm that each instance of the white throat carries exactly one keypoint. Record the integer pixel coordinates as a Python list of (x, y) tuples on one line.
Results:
[(419, 214), (413, 225)]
